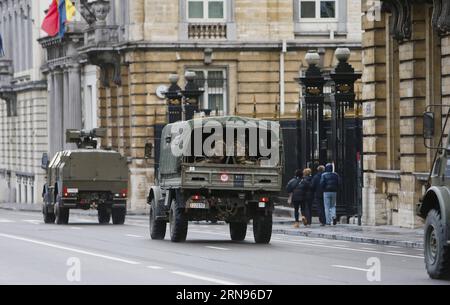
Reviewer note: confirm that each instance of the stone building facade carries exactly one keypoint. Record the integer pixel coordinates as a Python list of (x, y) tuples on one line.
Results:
[(406, 56), (23, 102), (247, 53)]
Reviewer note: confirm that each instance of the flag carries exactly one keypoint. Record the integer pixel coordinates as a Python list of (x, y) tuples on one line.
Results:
[(51, 22), (59, 13), (2, 52)]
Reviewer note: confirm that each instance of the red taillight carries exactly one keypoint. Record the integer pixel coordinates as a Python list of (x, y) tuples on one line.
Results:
[(65, 192), (264, 199), (196, 197), (124, 193)]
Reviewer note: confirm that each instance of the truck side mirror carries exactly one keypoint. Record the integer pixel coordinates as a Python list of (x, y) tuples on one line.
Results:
[(428, 125), (148, 151), (44, 161)]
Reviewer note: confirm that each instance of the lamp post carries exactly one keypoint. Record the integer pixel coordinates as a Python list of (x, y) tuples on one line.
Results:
[(312, 104), (344, 129), (182, 104)]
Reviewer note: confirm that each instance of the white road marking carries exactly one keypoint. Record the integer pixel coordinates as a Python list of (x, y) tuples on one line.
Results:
[(203, 278), (351, 268), (6, 221), (300, 243), (55, 246), (369, 249), (75, 228), (217, 248), (134, 236), (34, 222), (396, 252), (393, 247), (155, 267)]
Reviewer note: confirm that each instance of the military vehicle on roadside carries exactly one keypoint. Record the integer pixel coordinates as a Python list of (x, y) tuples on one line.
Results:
[(86, 178), (232, 182), (435, 205)]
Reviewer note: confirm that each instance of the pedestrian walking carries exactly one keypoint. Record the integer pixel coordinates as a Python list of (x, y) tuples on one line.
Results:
[(306, 196), (318, 195), (330, 182), (293, 195)]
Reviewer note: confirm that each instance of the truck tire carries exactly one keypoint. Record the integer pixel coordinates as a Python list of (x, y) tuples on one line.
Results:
[(104, 216), (437, 253), (178, 224), (49, 218), (62, 215), (238, 231), (262, 229), (157, 227), (118, 216)]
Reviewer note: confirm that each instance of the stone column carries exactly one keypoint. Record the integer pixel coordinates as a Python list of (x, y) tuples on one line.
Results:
[(412, 105), (65, 108), (74, 95), (374, 113), (57, 133)]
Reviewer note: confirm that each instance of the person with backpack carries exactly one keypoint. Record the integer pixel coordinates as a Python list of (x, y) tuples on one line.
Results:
[(302, 196), (318, 194), (330, 182)]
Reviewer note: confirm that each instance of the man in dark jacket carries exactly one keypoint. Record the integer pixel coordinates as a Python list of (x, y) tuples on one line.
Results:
[(318, 194), (291, 188), (330, 182)]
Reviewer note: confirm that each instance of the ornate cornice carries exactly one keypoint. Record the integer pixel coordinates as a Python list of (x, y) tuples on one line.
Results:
[(401, 20)]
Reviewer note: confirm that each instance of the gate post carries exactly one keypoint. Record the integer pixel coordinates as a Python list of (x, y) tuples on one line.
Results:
[(313, 137)]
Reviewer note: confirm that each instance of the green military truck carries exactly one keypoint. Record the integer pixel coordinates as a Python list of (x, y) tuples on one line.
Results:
[(235, 187), (86, 178), (435, 205)]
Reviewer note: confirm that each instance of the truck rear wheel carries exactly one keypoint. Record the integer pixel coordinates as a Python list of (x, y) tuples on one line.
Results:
[(437, 253), (157, 227), (62, 215), (118, 216), (104, 216), (238, 231), (49, 218), (178, 224), (262, 229)]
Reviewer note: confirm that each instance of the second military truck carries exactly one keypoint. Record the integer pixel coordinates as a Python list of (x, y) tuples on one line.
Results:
[(86, 178), (236, 181)]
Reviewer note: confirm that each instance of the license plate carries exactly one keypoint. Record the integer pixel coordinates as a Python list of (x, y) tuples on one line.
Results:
[(197, 205)]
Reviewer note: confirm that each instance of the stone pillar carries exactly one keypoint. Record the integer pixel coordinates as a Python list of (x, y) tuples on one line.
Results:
[(412, 105), (57, 133), (65, 108), (74, 107), (374, 113)]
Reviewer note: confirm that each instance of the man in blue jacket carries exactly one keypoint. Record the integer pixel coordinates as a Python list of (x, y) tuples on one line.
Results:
[(318, 194), (330, 182)]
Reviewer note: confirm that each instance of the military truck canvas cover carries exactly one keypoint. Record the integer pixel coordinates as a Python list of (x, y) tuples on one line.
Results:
[(170, 164)]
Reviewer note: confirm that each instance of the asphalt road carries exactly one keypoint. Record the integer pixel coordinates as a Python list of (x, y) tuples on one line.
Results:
[(84, 252)]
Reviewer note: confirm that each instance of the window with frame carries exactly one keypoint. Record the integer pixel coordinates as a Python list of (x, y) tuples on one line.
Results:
[(318, 9), (214, 84), (201, 10)]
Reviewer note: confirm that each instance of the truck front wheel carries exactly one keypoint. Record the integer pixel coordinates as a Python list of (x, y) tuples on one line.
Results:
[(62, 215), (157, 227), (238, 231), (118, 215), (178, 224), (437, 253), (262, 228)]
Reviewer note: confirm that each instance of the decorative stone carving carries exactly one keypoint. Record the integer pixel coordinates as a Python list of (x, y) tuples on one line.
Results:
[(101, 11), (107, 60), (443, 22)]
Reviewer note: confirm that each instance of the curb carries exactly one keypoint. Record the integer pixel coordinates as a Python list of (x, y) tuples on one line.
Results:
[(367, 240)]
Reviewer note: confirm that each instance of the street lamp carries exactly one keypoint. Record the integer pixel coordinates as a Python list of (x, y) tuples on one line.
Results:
[(312, 104), (182, 104)]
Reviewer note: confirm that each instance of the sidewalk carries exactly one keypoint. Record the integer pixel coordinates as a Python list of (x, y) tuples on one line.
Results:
[(283, 224)]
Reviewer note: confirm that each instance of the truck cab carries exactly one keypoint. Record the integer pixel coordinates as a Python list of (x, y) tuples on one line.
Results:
[(208, 174), (435, 205)]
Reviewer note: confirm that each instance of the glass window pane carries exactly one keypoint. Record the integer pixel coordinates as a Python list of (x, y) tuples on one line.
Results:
[(215, 9), (327, 9), (215, 79), (215, 101), (308, 9), (195, 9)]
